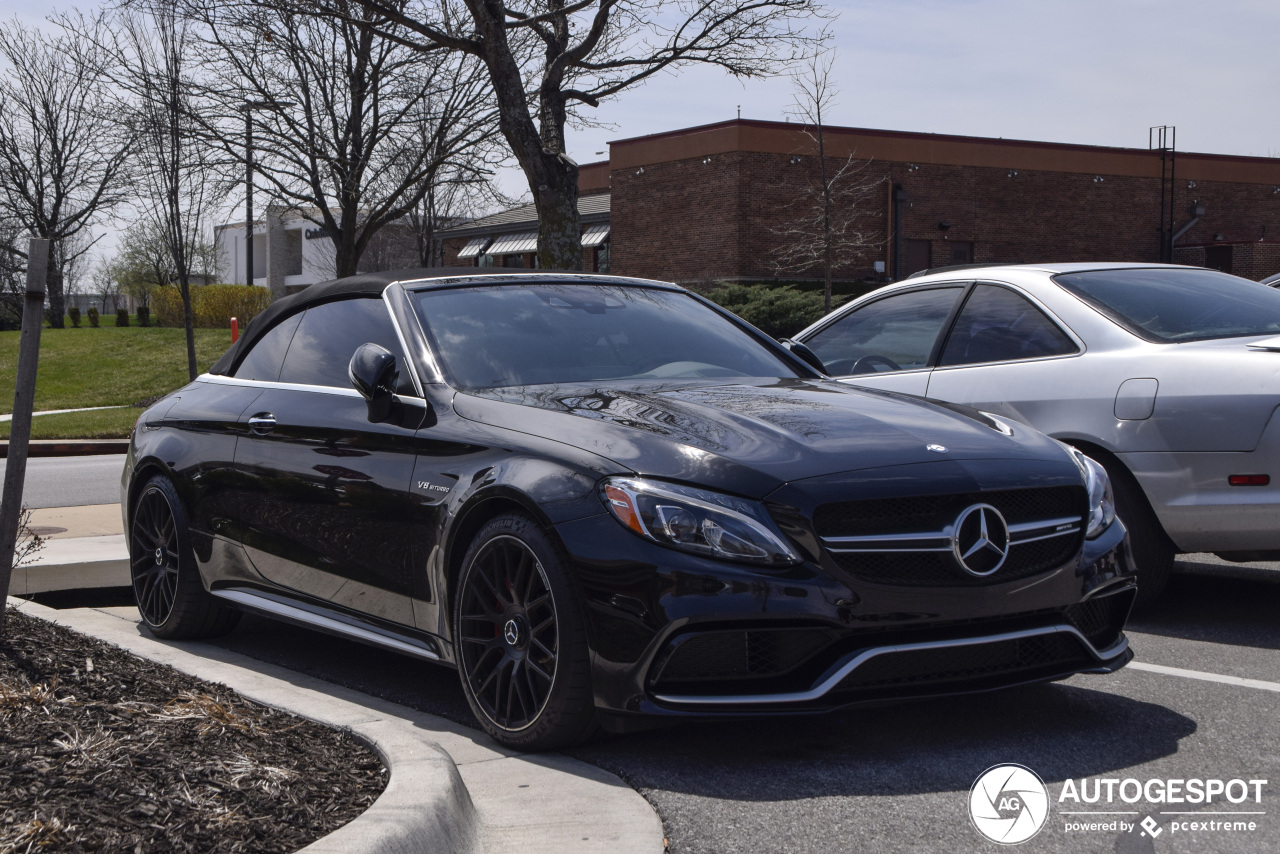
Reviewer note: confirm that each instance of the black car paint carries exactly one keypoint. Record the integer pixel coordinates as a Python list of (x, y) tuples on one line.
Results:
[(419, 493)]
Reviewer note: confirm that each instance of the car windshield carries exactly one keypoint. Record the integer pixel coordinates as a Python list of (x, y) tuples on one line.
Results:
[(529, 334), (1169, 304)]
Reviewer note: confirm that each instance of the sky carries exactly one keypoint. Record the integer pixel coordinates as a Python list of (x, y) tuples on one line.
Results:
[(1096, 72)]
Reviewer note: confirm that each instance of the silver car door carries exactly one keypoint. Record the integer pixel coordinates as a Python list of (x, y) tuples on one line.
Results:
[(1006, 355), (887, 343)]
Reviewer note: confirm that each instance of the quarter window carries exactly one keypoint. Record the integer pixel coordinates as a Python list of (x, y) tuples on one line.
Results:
[(894, 333), (264, 360), (329, 336), (998, 325)]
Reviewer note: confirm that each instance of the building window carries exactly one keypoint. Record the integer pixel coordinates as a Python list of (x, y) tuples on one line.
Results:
[(513, 260), (259, 256), (485, 261), (291, 248), (602, 258)]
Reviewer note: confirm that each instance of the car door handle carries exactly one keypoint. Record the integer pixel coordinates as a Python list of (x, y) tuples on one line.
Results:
[(262, 423)]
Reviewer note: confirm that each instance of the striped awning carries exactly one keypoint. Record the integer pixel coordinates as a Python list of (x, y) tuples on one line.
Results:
[(473, 248), (595, 235), (510, 244)]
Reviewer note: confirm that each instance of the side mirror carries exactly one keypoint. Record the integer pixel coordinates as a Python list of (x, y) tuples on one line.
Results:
[(805, 355), (373, 373)]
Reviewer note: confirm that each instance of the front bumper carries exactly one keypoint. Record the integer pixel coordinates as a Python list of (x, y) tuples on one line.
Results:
[(674, 634)]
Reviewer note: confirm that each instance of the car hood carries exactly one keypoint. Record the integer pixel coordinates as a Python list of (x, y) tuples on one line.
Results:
[(751, 437)]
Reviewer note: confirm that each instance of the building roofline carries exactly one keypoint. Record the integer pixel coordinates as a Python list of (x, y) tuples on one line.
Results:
[(888, 146), (840, 130)]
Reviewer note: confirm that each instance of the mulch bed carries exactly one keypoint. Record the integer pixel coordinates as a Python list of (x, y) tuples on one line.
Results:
[(104, 751)]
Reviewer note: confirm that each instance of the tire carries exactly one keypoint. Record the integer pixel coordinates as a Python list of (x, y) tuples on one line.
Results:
[(1153, 551), (166, 583), (520, 639)]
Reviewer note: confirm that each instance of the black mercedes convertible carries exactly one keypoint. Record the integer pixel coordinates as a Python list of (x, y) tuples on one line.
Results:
[(605, 501)]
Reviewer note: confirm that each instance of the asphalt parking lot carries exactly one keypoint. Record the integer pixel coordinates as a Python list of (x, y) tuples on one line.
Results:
[(897, 778)]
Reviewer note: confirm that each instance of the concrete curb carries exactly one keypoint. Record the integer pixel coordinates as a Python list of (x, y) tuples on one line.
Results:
[(451, 789), (74, 563), (70, 447)]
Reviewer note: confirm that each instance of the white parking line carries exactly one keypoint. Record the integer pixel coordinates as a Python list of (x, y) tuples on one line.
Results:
[(1206, 677)]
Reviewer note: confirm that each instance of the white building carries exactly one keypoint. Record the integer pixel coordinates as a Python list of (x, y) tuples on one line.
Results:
[(289, 252)]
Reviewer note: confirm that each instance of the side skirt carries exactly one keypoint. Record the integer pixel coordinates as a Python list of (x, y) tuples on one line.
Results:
[(330, 622)]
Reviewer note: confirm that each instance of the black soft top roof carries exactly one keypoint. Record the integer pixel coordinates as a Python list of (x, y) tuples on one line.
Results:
[(372, 285)]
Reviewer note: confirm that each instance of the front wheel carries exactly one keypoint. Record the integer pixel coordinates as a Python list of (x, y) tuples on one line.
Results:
[(520, 640), (166, 584), (1153, 551)]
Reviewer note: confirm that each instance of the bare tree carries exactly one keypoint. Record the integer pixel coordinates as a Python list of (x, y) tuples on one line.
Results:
[(546, 59), (829, 228), (143, 262), (148, 51), (105, 286), (341, 103), (62, 156)]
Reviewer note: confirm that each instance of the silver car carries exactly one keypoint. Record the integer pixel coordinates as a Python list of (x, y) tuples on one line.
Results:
[(1169, 376)]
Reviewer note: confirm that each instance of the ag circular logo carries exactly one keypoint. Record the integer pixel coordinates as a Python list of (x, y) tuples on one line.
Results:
[(1008, 804)]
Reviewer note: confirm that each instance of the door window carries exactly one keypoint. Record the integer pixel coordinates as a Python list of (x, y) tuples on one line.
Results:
[(894, 333), (329, 336), (264, 360), (998, 325)]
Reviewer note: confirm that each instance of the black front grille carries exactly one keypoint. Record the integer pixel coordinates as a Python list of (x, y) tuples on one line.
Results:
[(926, 513), (929, 514), (1039, 655), (1101, 620), (746, 654)]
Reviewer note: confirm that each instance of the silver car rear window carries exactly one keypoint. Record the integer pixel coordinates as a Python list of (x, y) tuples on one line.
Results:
[(1169, 305)]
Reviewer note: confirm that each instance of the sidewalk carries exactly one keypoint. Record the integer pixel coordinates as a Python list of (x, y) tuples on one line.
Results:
[(451, 788), (84, 548)]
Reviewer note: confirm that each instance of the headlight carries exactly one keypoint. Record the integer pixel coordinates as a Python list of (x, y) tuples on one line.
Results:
[(698, 521), (1102, 503)]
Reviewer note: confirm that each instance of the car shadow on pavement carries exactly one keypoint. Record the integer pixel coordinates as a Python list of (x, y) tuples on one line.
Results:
[(1060, 730), (1203, 603)]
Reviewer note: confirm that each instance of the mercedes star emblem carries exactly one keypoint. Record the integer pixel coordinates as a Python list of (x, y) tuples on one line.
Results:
[(980, 540), (937, 449)]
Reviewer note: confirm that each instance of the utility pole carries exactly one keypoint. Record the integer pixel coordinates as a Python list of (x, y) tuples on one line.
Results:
[(15, 472), (249, 107), (1164, 139), (248, 194)]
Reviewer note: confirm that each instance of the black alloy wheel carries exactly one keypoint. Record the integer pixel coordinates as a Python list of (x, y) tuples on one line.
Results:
[(521, 646), (166, 584), (153, 556)]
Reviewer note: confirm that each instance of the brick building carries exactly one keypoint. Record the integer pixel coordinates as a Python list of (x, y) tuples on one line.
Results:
[(714, 202)]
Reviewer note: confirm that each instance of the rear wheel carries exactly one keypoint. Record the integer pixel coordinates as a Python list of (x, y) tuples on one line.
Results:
[(166, 584), (520, 640)]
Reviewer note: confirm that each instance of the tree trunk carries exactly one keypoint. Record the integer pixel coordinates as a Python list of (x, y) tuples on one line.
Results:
[(346, 259), (559, 232), (184, 285), (57, 299)]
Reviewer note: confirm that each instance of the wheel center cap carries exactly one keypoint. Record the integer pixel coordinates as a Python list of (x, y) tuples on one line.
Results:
[(514, 632), (159, 556)]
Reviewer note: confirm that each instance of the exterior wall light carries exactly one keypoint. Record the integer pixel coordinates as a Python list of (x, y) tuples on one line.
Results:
[(640, 171), (1191, 185), (1013, 173), (1098, 179)]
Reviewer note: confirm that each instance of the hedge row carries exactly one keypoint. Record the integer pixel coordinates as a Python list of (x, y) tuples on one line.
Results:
[(779, 311), (212, 306)]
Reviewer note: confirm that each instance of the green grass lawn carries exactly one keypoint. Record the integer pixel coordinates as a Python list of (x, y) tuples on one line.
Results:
[(108, 366), (100, 424)]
